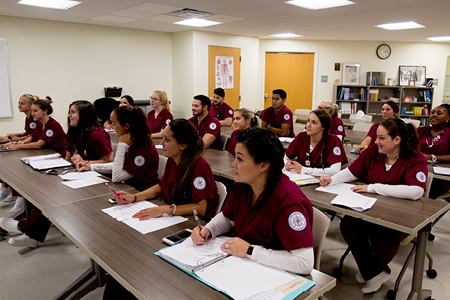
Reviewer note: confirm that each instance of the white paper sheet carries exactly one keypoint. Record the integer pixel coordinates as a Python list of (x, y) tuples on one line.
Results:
[(336, 189), (287, 140), (49, 161), (354, 201), (76, 184), (158, 146), (294, 176), (78, 175), (124, 213), (441, 170)]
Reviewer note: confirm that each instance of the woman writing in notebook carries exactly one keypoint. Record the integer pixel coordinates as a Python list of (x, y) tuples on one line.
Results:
[(125, 100), (270, 214), (337, 126), (389, 110), (88, 141), (136, 160), (392, 167), (160, 116), (317, 151), (243, 119)]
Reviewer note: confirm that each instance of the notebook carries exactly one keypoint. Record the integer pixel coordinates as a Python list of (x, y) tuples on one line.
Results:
[(43, 162)]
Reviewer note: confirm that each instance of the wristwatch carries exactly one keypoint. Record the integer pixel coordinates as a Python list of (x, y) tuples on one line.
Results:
[(249, 251), (268, 127), (433, 158)]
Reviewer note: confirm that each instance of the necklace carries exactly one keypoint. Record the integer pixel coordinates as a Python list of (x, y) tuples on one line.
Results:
[(433, 139)]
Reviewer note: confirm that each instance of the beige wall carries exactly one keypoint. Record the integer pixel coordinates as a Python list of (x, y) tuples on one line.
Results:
[(73, 61)]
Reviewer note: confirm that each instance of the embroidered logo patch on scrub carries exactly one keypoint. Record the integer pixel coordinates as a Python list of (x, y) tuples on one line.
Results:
[(287, 117), (297, 221), (421, 176), (49, 133), (139, 160), (167, 121), (212, 126), (32, 125), (230, 111), (336, 151), (340, 128), (199, 183)]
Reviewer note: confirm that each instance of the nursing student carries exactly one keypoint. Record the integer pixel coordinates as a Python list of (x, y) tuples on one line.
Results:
[(271, 216), (389, 110), (243, 118), (47, 134), (187, 182), (278, 117), (337, 126), (160, 116), (125, 100), (220, 109), (392, 167), (25, 102), (136, 160), (316, 151)]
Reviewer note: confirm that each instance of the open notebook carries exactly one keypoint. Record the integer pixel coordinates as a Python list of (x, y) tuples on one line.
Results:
[(239, 278), (43, 162)]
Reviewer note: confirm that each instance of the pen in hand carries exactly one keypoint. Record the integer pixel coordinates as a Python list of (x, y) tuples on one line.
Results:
[(83, 165), (197, 219), (113, 190)]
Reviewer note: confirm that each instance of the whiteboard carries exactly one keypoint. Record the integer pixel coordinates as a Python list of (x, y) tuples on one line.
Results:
[(5, 87)]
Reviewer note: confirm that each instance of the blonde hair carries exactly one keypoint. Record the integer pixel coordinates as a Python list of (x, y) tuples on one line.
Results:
[(29, 97), (164, 99), (334, 108), (247, 114)]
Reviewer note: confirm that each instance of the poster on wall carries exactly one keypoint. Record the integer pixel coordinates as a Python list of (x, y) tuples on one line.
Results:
[(224, 72)]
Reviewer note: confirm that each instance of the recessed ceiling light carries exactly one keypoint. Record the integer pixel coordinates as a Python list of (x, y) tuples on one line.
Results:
[(197, 22), (439, 38), (286, 35), (319, 4), (55, 4), (400, 26)]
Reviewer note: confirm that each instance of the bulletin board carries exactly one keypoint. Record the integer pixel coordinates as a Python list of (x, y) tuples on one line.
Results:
[(5, 87)]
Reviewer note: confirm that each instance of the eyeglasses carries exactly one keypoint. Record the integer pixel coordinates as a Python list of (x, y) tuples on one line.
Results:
[(154, 99), (319, 107)]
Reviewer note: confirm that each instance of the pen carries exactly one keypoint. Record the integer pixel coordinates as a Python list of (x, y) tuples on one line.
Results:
[(196, 218), (323, 168), (112, 190), (84, 165)]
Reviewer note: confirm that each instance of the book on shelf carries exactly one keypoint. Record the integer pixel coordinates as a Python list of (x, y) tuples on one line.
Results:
[(239, 278), (346, 94), (373, 94), (348, 107)]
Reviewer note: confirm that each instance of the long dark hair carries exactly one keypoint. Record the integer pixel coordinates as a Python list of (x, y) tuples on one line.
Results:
[(264, 146), (87, 123), (185, 133), (325, 121), (410, 143), (139, 128)]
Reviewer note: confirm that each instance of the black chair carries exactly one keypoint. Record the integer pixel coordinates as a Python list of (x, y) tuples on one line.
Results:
[(104, 107)]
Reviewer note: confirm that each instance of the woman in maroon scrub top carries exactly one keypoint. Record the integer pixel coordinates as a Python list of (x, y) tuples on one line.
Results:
[(389, 110), (316, 151), (136, 160), (270, 214), (243, 119), (392, 167), (160, 116), (124, 101), (337, 126)]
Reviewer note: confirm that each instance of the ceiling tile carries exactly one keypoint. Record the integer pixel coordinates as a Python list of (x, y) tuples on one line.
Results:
[(155, 8), (114, 19), (130, 13)]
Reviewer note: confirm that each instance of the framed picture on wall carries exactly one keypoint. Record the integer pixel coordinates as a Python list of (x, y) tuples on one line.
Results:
[(350, 73), (412, 73)]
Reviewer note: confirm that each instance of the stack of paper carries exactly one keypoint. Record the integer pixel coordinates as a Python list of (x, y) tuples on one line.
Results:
[(43, 162), (286, 140), (300, 179), (78, 175), (336, 189), (87, 181), (124, 213), (354, 201), (441, 170)]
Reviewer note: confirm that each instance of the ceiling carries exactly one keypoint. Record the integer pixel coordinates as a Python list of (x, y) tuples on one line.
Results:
[(259, 18)]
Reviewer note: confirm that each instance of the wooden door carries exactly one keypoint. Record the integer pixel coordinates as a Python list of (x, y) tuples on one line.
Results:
[(292, 72), (232, 96)]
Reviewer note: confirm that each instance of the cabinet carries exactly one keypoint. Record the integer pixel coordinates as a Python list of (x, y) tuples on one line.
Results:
[(414, 102)]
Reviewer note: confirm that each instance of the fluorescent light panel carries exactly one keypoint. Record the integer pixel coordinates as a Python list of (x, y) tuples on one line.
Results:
[(439, 38), (319, 4), (197, 22), (400, 26), (55, 4), (286, 35)]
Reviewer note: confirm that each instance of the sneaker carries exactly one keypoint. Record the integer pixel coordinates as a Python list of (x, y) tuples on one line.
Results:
[(10, 198), (9, 225), (360, 279), (18, 209), (23, 241), (5, 192), (375, 283)]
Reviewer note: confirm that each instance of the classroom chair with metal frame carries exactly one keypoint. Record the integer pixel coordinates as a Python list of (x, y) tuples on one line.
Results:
[(222, 191), (319, 231), (224, 140)]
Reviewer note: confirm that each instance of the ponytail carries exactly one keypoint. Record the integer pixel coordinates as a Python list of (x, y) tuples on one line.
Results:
[(410, 143), (139, 128)]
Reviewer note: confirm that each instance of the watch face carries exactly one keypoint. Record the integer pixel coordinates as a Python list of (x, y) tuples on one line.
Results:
[(383, 51)]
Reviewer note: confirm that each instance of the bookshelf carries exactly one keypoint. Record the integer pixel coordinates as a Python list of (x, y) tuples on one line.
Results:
[(414, 102)]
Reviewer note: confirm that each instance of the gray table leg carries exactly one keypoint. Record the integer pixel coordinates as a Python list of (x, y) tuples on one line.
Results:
[(419, 262)]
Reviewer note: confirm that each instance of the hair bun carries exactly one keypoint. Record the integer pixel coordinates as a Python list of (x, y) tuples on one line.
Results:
[(49, 99)]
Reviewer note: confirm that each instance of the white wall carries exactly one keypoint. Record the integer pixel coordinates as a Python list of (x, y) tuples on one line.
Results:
[(431, 55), (71, 61)]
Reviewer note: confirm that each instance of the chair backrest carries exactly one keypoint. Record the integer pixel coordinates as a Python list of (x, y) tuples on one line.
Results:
[(104, 107), (367, 117), (294, 119), (416, 123), (298, 128), (429, 180), (300, 111), (319, 231), (364, 127), (223, 141), (222, 191), (161, 166), (258, 121)]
